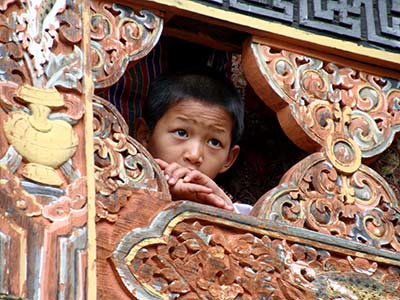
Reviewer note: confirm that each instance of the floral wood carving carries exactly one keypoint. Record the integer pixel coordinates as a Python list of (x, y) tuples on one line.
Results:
[(31, 31), (351, 115), (45, 104), (191, 252), (122, 165), (348, 112), (119, 36), (42, 170), (314, 195)]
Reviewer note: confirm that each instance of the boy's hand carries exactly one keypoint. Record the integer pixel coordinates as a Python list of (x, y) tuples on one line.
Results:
[(189, 184)]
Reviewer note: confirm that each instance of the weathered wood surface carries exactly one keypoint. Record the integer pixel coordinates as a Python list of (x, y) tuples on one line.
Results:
[(46, 66), (43, 167)]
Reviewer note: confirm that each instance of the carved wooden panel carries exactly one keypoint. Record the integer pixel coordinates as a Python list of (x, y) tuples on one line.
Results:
[(130, 189), (194, 252), (45, 70), (122, 165), (43, 207), (349, 115)]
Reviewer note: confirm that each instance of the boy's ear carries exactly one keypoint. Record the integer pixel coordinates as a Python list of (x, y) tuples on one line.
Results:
[(142, 132), (233, 154)]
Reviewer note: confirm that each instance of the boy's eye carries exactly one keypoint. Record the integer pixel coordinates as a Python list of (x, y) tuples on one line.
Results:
[(214, 143), (181, 133)]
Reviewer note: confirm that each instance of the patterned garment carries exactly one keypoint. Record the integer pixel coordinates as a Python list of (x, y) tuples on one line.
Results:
[(129, 93)]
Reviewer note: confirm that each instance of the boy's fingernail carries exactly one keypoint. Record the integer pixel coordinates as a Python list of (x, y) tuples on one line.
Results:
[(167, 177)]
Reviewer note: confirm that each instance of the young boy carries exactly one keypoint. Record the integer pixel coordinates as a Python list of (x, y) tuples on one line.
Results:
[(191, 124)]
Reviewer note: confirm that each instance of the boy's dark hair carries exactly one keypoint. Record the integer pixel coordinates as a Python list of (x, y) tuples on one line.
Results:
[(205, 86)]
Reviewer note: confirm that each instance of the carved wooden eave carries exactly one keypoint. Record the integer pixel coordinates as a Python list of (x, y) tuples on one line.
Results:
[(330, 229)]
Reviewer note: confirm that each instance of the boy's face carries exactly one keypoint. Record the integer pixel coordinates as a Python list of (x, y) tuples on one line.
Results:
[(195, 135)]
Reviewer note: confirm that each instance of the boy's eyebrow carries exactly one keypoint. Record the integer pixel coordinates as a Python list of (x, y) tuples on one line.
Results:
[(221, 129)]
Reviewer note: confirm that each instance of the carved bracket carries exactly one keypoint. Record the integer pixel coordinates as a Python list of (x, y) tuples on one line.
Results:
[(118, 37), (349, 115), (348, 112), (122, 165)]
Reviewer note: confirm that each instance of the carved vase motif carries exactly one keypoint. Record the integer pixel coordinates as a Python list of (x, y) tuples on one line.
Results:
[(45, 144)]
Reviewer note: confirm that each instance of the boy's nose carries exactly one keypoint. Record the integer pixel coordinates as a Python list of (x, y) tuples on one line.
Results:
[(194, 154)]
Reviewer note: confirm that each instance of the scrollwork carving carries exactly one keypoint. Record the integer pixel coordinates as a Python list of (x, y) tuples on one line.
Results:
[(351, 115), (327, 99), (119, 36), (314, 195), (122, 165)]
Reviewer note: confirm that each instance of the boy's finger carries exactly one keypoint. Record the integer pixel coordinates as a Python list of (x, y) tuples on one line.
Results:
[(169, 170), (197, 177), (193, 189), (161, 163), (178, 173), (214, 200)]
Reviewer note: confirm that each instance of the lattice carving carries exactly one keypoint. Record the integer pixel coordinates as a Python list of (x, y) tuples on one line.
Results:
[(119, 36), (282, 10), (122, 165), (188, 254)]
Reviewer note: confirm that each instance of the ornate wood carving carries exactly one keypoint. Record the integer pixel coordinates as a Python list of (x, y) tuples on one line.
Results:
[(316, 196), (130, 190), (336, 106), (119, 36), (195, 252), (122, 165), (43, 207), (330, 229), (45, 144), (351, 115)]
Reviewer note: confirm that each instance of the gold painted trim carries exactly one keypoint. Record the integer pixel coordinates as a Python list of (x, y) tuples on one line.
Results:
[(88, 89), (284, 32)]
